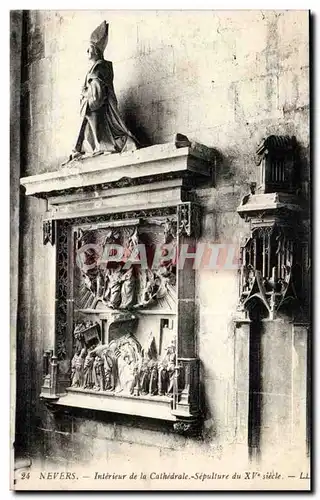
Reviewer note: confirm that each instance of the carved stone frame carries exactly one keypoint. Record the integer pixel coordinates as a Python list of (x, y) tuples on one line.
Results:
[(152, 191)]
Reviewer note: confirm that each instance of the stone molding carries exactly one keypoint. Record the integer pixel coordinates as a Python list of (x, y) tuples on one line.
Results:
[(162, 159)]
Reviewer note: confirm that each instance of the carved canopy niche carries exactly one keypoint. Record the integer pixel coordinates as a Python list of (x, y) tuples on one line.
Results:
[(273, 306), (124, 338), (274, 257)]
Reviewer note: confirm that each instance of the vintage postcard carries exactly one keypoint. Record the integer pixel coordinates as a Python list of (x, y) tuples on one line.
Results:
[(160, 250)]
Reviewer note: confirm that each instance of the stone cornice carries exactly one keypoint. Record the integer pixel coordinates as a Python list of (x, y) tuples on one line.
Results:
[(162, 160)]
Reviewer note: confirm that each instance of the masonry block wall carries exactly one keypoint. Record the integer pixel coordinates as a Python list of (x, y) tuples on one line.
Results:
[(223, 78)]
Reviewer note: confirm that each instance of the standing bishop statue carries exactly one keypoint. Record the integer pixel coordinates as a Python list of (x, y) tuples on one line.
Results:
[(102, 130)]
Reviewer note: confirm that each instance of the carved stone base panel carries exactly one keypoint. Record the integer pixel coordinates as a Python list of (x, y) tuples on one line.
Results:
[(129, 405), (151, 195), (123, 188)]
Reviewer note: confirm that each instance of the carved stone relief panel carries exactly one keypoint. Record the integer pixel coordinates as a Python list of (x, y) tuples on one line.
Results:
[(119, 270), (122, 366), (124, 310), (117, 308), (110, 273)]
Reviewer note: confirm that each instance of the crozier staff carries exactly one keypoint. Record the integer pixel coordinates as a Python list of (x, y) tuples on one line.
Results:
[(102, 129)]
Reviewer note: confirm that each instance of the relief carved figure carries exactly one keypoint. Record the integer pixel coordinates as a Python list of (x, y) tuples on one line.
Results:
[(154, 285), (162, 379), (98, 373), (102, 129), (112, 367), (167, 371), (126, 372), (133, 239), (109, 373), (144, 377), (113, 293), (114, 287), (128, 354), (77, 365), (153, 383), (148, 373), (128, 289), (249, 276), (146, 287), (88, 381), (169, 231), (120, 288)]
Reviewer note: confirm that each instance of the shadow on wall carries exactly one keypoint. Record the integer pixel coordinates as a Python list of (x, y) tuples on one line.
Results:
[(227, 169), (257, 312), (133, 122), (209, 427), (304, 171)]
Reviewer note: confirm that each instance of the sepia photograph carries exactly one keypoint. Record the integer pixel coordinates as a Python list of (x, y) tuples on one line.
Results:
[(160, 250)]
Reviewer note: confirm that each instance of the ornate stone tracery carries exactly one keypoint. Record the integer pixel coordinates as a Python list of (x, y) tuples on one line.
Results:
[(48, 231), (271, 270), (268, 267)]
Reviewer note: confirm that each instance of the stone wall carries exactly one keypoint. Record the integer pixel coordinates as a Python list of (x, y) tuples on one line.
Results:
[(225, 79), (15, 92)]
